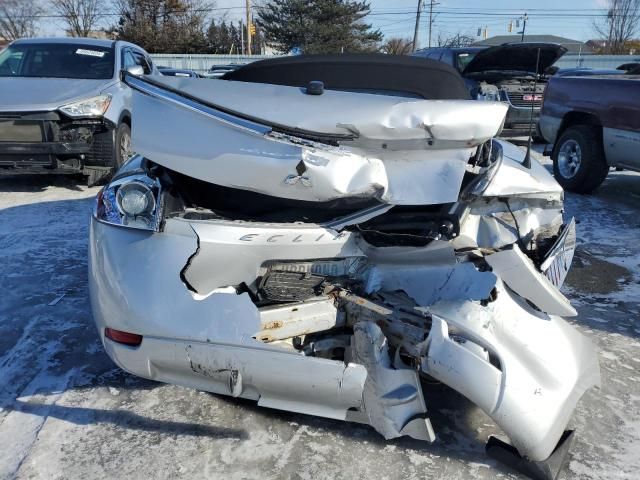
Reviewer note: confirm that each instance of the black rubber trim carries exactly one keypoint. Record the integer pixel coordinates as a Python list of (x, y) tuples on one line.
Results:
[(548, 469)]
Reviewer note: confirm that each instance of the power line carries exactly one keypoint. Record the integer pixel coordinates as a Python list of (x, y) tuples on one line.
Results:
[(456, 12)]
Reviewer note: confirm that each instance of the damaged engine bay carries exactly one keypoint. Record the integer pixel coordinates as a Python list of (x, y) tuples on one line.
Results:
[(359, 258)]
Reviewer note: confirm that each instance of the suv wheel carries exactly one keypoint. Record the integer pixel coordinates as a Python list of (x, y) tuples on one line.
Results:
[(123, 144), (579, 164)]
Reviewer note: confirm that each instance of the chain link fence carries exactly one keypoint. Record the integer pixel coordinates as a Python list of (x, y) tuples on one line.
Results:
[(202, 63)]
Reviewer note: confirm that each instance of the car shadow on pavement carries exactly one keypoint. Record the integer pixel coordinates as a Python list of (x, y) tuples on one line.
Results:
[(126, 419), (39, 183)]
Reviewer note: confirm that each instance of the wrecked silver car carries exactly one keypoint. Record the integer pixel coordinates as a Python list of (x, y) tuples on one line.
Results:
[(319, 248)]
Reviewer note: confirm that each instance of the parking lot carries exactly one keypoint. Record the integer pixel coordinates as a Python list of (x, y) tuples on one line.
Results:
[(67, 412)]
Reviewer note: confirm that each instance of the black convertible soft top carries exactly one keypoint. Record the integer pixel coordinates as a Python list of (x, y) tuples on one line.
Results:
[(381, 73)]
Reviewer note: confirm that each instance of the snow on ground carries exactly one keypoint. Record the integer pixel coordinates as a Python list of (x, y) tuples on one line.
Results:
[(67, 412)]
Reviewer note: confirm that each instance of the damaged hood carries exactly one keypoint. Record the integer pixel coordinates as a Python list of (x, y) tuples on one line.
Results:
[(515, 57), (280, 141), (361, 115)]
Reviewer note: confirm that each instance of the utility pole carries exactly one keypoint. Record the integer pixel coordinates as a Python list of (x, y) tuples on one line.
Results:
[(611, 18), (431, 4), (524, 19), (248, 27), (241, 50), (415, 32)]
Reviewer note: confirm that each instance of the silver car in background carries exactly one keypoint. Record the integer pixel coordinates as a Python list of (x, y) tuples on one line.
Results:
[(63, 108), (319, 251)]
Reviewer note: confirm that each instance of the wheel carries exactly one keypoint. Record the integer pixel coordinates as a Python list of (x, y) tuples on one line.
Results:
[(123, 144), (579, 163)]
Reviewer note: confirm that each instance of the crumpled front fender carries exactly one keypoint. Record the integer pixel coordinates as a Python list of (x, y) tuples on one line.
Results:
[(525, 369)]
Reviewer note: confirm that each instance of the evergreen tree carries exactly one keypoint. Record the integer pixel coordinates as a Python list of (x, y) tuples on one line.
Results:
[(318, 26), (163, 26)]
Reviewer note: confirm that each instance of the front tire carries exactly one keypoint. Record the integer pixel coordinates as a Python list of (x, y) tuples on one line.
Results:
[(123, 145), (579, 163)]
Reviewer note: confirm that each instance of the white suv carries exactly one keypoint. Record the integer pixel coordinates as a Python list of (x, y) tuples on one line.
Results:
[(63, 108)]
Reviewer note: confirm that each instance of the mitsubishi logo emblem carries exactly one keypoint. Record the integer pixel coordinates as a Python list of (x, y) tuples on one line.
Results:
[(301, 168)]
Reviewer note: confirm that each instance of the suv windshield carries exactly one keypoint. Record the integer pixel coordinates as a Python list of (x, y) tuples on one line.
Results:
[(57, 60), (464, 59)]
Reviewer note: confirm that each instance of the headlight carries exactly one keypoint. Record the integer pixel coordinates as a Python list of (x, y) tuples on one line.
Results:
[(135, 199), (91, 107), (131, 201)]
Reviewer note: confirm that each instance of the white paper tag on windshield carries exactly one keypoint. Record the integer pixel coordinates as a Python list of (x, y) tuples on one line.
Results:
[(91, 53)]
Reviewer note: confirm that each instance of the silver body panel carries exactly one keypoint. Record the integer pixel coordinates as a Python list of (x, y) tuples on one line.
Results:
[(546, 364), (549, 127), (473, 327), (407, 151), (621, 148)]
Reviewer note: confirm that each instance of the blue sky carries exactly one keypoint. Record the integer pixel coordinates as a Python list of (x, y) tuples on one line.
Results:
[(568, 18), (396, 18)]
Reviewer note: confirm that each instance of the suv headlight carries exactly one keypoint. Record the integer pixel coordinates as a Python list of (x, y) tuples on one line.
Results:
[(91, 107), (131, 201)]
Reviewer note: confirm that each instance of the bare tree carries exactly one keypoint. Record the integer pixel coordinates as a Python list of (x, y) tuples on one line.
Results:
[(457, 40), (82, 16), (620, 25), (19, 18), (397, 46)]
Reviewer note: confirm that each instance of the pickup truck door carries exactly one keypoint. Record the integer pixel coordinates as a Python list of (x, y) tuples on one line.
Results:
[(621, 132)]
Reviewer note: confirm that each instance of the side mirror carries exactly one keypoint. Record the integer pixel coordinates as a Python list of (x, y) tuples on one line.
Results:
[(136, 70)]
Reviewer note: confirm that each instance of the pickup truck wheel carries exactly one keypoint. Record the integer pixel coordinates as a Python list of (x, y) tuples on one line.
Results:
[(579, 164), (123, 144)]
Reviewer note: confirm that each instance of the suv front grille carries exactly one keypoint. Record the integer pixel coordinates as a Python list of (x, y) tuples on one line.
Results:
[(518, 99)]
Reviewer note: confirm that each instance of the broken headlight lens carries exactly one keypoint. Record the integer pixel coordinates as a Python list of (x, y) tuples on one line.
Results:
[(130, 201)]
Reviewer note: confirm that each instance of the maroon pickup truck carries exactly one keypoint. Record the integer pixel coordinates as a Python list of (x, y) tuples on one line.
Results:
[(593, 123)]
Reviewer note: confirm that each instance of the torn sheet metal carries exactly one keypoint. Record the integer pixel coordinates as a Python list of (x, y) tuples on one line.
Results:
[(428, 275), (239, 249), (520, 274), (515, 179), (392, 397), (395, 313), (495, 224), (223, 153), (535, 369)]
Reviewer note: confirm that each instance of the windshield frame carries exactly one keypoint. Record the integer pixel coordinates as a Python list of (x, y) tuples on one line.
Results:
[(30, 49), (468, 55)]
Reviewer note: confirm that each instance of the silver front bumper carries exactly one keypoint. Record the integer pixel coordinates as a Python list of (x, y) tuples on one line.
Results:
[(525, 368)]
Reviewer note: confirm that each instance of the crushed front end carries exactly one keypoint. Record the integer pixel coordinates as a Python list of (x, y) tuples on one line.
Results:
[(326, 272), (52, 141)]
